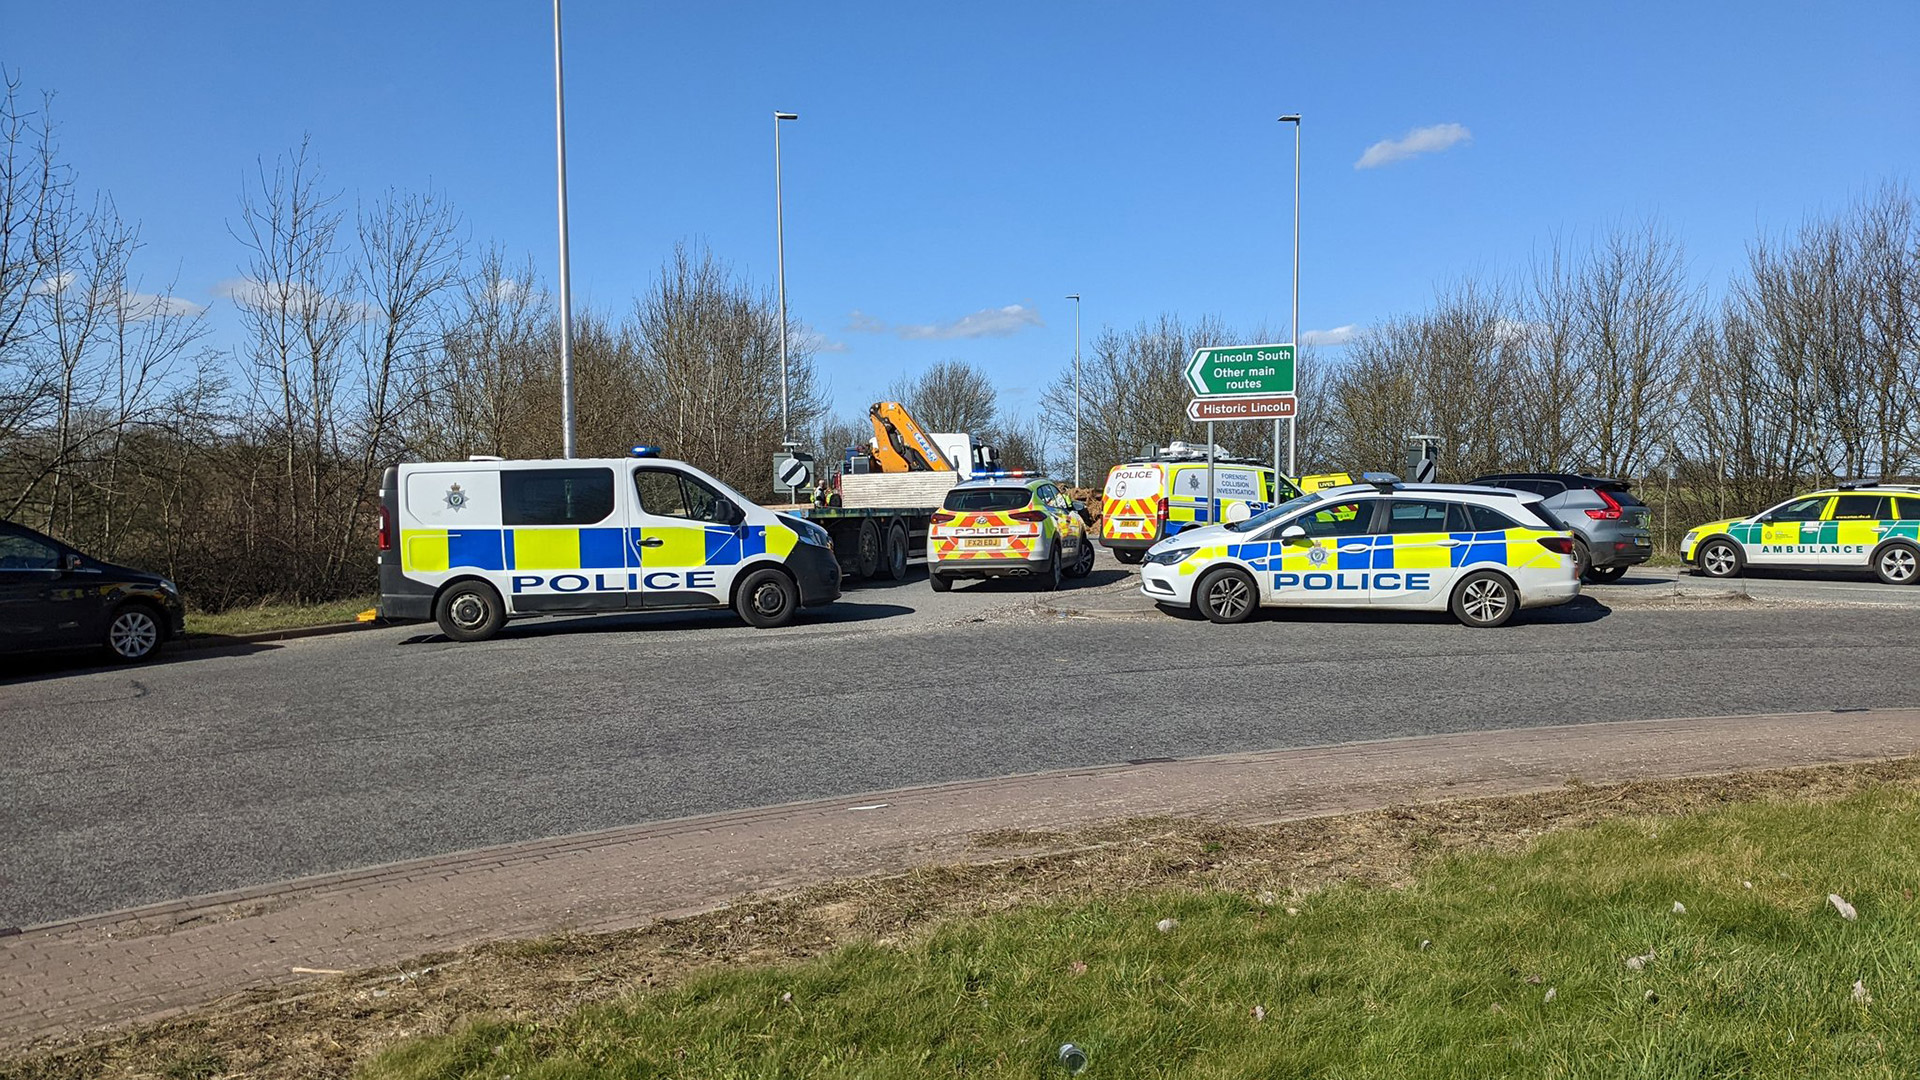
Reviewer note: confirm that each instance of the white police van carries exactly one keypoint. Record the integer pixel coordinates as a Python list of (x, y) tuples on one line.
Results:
[(473, 543)]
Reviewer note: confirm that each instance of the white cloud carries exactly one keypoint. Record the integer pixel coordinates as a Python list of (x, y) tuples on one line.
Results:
[(987, 322), (56, 284), (140, 306), (1339, 335), (294, 296), (1425, 140), (814, 341), (859, 322)]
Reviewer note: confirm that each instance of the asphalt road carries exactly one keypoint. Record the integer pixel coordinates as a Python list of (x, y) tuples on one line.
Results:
[(220, 768)]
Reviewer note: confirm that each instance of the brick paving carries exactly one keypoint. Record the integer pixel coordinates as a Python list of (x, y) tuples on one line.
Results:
[(93, 974)]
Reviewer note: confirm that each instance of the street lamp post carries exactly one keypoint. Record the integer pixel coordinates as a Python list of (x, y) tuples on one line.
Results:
[(1292, 421), (780, 259), (1075, 297), (566, 278)]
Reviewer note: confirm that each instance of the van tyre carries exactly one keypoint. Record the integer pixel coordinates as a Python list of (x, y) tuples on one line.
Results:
[(1226, 596), (470, 611), (767, 599), (1485, 599), (134, 634), (1719, 559), (1083, 560), (1897, 564), (897, 551), (1129, 556)]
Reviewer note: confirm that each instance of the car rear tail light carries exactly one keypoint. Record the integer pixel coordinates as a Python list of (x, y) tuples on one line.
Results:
[(1029, 515), (1611, 513), (941, 517), (1559, 545), (384, 536)]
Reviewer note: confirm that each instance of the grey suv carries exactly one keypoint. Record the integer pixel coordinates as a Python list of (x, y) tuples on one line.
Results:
[(1610, 526)]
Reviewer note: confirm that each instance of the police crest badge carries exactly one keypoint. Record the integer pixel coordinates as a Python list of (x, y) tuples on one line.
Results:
[(456, 498)]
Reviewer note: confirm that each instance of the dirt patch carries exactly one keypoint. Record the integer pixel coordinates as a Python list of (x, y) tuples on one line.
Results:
[(324, 1028)]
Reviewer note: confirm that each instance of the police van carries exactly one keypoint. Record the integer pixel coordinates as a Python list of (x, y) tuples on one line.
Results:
[(1147, 500), (470, 544)]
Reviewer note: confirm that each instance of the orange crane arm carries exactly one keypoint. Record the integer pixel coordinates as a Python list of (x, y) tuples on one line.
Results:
[(901, 444)]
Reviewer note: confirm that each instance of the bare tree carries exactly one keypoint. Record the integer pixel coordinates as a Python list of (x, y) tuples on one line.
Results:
[(950, 395)]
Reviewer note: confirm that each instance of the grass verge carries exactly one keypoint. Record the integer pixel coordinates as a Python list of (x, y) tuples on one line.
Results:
[(259, 618), (984, 969)]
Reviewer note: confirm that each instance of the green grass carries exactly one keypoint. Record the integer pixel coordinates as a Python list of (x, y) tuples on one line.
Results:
[(1748, 982), (257, 618)]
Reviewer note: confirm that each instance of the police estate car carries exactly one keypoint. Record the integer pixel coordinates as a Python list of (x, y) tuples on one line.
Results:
[(1007, 524), (1483, 553), (1851, 527), (472, 543)]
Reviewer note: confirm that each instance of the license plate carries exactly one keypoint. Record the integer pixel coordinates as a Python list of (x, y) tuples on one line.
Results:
[(982, 542)]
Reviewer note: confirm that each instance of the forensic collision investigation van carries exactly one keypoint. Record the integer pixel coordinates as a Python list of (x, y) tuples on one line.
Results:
[(472, 543)]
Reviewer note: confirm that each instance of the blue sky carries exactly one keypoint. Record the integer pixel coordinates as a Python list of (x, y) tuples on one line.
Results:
[(955, 161)]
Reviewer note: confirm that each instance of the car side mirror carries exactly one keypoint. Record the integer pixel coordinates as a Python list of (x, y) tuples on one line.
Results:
[(731, 514), (72, 561), (1291, 533)]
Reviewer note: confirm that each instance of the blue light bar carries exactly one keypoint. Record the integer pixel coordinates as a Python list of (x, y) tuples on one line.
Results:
[(645, 451)]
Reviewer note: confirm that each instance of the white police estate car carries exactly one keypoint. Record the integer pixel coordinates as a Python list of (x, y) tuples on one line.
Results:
[(1483, 553)]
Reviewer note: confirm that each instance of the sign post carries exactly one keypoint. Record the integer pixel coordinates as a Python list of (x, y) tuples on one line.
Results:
[(793, 473)]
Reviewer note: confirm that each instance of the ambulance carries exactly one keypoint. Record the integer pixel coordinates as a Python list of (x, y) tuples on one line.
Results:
[(1148, 500), (1482, 553), (471, 544), (1849, 528)]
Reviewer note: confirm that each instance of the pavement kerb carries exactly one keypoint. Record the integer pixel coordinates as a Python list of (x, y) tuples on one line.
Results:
[(215, 641), (92, 975)]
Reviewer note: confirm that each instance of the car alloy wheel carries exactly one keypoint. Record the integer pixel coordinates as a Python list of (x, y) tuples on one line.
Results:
[(1229, 597), (1719, 559), (1485, 600), (133, 634), (1898, 565)]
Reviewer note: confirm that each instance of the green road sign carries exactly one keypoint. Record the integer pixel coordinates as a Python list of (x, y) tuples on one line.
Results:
[(1241, 369)]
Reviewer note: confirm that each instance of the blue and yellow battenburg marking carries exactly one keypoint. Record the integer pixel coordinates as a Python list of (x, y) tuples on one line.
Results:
[(1294, 564), (430, 551)]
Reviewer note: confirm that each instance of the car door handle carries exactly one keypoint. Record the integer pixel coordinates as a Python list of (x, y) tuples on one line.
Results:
[(1355, 549), (1448, 542), (651, 541)]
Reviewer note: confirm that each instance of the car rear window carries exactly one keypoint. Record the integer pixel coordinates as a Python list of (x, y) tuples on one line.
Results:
[(1619, 494), (987, 500)]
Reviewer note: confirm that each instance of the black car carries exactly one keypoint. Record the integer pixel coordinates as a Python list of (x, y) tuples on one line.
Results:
[(1611, 528), (53, 597)]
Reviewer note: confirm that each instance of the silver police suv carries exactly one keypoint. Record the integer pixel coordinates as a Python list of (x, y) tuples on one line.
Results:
[(1611, 528)]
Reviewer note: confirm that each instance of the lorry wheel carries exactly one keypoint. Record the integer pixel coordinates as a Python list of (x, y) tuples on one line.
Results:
[(470, 611), (1128, 556), (866, 549), (766, 599), (897, 551)]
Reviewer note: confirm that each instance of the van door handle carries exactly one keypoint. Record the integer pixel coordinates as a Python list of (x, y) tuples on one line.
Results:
[(651, 541)]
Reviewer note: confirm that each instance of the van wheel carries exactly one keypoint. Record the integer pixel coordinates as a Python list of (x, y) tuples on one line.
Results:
[(767, 599), (134, 634), (470, 611), (1897, 564), (1485, 599), (1226, 596), (1130, 556), (897, 552)]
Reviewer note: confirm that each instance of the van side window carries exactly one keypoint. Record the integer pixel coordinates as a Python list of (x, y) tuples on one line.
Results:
[(555, 496), (665, 493)]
